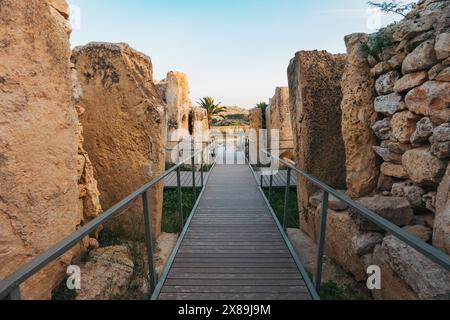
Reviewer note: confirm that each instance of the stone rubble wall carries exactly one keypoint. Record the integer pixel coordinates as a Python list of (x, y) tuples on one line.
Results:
[(315, 98), (395, 127), (124, 125), (256, 125)]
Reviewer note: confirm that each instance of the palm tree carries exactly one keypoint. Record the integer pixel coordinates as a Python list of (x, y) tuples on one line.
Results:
[(212, 109), (263, 106)]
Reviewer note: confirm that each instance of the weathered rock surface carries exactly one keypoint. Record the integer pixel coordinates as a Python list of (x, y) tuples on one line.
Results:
[(389, 104), (385, 83), (410, 81), (382, 129), (423, 168), (89, 197), (403, 126), (442, 46), (199, 125), (280, 119), (443, 193), (431, 99), (339, 243), (388, 155), (333, 202), (424, 130), (107, 274), (358, 117), (403, 273), (395, 209), (441, 150), (444, 75), (307, 251), (124, 126), (365, 243), (396, 147), (407, 29), (434, 72), (61, 6), (413, 193), (423, 57), (394, 170), (419, 231), (315, 97), (175, 92), (441, 235), (38, 142), (441, 133), (256, 125)]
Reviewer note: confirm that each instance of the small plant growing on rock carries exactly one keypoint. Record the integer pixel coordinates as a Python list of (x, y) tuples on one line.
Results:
[(396, 7), (377, 44)]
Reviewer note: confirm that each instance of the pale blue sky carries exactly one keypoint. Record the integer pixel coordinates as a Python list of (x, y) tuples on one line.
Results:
[(236, 51)]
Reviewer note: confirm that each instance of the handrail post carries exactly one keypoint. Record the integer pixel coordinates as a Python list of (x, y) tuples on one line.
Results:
[(321, 249), (180, 201), (262, 180), (286, 199), (201, 166), (270, 187), (149, 241), (194, 188), (14, 295)]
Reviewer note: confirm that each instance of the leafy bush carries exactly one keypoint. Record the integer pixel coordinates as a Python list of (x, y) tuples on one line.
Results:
[(377, 44)]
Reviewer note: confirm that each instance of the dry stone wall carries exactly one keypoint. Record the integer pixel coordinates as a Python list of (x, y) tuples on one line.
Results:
[(395, 124), (315, 98), (124, 126)]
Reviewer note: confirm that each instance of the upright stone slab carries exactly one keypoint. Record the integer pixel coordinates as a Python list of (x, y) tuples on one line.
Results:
[(38, 141), (256, 125), (315, 97), (175, 91), (280, 119), (123, 126), (358, 116)]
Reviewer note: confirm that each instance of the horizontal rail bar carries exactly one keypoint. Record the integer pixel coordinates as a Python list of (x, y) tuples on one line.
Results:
[(427, 250), (28, 270)]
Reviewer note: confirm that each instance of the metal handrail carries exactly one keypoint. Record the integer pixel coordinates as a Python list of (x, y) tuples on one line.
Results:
[(424, 248), (10, 286)]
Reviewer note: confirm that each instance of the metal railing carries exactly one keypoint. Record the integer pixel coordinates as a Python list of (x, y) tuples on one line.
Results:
[(424, 248), (10, 286)]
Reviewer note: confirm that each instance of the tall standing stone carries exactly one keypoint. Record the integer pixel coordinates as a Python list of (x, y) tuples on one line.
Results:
[(175, 92), (358, 116), (256, 125), (280, 119), (124, 125), (315, 97), (38, 141)]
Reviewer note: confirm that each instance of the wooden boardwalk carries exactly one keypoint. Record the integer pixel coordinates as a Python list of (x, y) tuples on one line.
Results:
[(279, 179), (233, 248), (186, 179)]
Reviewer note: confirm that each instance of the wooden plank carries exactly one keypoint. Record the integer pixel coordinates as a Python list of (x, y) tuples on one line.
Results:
[(236, 270), (234, 276), (234, 289), (234, 260), (235, 282), (234, 296), (233, 249)]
